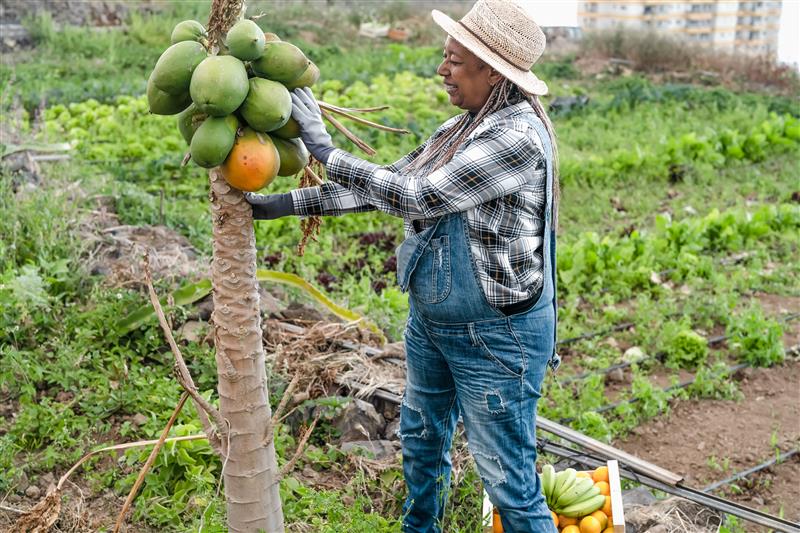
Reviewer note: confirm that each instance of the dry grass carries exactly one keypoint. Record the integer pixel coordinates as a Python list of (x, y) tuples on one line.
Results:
[(657, 53)]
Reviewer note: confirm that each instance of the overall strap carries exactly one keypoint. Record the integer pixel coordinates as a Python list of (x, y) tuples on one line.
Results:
[(549, 237)]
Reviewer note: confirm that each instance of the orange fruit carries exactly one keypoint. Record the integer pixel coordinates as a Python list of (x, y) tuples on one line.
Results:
[(600, 474), (590, 524), (605, 490), (571, 529), (583, 474), (609, 530), (555, 518), (601, 517), (567, 520), (497, 525), (252, 163), (606, 508)]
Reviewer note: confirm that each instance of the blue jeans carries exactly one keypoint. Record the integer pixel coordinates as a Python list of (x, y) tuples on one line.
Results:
[(474, 370), (465, 357)]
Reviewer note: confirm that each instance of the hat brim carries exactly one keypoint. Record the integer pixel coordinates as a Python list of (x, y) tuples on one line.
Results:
[(524, 79)]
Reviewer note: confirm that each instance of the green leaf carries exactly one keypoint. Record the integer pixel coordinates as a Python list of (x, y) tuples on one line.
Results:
[(183, 296), (296, 281)]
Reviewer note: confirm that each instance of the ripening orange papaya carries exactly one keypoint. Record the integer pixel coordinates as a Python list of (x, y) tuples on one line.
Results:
[(252, 163)]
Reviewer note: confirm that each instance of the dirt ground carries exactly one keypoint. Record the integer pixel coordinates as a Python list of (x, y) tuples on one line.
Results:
[(710, 440)]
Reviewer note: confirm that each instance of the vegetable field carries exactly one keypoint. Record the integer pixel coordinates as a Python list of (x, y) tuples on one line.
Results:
[(678, 269)]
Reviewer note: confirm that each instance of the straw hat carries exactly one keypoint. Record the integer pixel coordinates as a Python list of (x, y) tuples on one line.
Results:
[(502, 34)]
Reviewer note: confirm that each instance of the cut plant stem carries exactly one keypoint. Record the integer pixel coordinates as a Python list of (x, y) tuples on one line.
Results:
[(150, 460), (349, 134), (342, 112), (353, 109)]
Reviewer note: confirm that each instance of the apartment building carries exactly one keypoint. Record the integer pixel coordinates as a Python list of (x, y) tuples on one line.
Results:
[(727, 25)]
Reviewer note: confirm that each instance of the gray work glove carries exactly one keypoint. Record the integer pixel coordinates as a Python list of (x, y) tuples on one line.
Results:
[(306, 111), (270, 206)]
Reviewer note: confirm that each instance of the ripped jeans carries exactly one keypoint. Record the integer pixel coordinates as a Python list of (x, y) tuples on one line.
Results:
[(489, 372)]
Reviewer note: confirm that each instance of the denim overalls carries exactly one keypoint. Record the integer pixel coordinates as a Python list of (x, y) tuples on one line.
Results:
[(466, 357)]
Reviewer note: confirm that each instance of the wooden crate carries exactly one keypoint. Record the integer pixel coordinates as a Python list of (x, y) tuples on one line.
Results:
[(615, 488)]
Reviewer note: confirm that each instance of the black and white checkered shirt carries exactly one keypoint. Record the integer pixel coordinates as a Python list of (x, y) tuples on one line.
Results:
[(497, 177)]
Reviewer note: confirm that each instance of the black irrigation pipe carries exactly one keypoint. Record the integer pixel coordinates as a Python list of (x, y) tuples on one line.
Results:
[(603, 332), (744, 473), (681, 385), (657, 356)]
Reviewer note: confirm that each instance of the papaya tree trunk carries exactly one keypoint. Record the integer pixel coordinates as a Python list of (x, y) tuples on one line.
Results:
[(250, 471)]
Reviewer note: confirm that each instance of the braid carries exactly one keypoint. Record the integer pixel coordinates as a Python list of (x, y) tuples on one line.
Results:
[(503, 94)]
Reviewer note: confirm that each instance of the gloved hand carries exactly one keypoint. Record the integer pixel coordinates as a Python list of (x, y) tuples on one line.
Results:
[(306, 111), (270, 206)]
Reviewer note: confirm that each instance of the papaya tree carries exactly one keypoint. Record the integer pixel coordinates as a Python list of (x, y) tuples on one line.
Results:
[(251, 475)]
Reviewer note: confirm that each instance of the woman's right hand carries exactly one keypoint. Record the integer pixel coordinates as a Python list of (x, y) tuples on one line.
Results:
[(270, 206)]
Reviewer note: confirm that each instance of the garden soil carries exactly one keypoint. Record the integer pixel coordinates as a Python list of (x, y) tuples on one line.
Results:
[(710, 440)]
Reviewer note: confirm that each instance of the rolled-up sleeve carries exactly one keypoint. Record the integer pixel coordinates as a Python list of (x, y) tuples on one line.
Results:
[(494, 163)]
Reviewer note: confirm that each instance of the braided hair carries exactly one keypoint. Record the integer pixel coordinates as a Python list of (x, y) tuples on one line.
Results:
[(505, 93)]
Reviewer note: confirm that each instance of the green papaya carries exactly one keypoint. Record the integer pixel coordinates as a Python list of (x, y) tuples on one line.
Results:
[(306, 79), (219, 85), (290, 130), (213, 140), (293, 155), (189, 120), (188, 30), (245, 40), (268, 105), (173, 71), (281, 61), (162, 103)]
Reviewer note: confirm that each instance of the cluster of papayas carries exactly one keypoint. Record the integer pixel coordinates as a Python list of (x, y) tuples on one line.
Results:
[(234, 107)]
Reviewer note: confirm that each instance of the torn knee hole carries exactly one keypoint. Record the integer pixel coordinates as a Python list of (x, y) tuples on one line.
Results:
[(494, 402), (490, 468), (412, 422)]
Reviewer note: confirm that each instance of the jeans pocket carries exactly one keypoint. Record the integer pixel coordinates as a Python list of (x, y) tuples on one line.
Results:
[(430, 281), (502, 348)]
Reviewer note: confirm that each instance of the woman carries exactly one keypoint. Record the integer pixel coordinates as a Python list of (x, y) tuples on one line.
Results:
[(478, 199)]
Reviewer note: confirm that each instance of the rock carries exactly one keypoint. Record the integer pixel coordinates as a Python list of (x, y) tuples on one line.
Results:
[(33, 492), (139, 420), (23, 483), (193, 331), (203, 309), (47, 479), (616, 376), (270, 306), (14, 498), (379, 449), (298, 311), (640, 496), (634, 353), (395, 349), (358, 421), (391, 430)]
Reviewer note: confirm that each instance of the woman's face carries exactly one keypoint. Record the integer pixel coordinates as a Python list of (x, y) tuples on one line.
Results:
[(467, 79)]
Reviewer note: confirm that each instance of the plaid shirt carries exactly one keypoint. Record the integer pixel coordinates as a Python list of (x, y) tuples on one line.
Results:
[(497, 177)]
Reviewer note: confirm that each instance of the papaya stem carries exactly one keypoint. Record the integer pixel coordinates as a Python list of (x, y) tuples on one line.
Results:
[(354, 109), (369, 150), (342, 112), (313, 175)]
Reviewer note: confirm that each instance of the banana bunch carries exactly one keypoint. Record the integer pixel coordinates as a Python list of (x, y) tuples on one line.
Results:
[(570, 495)]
